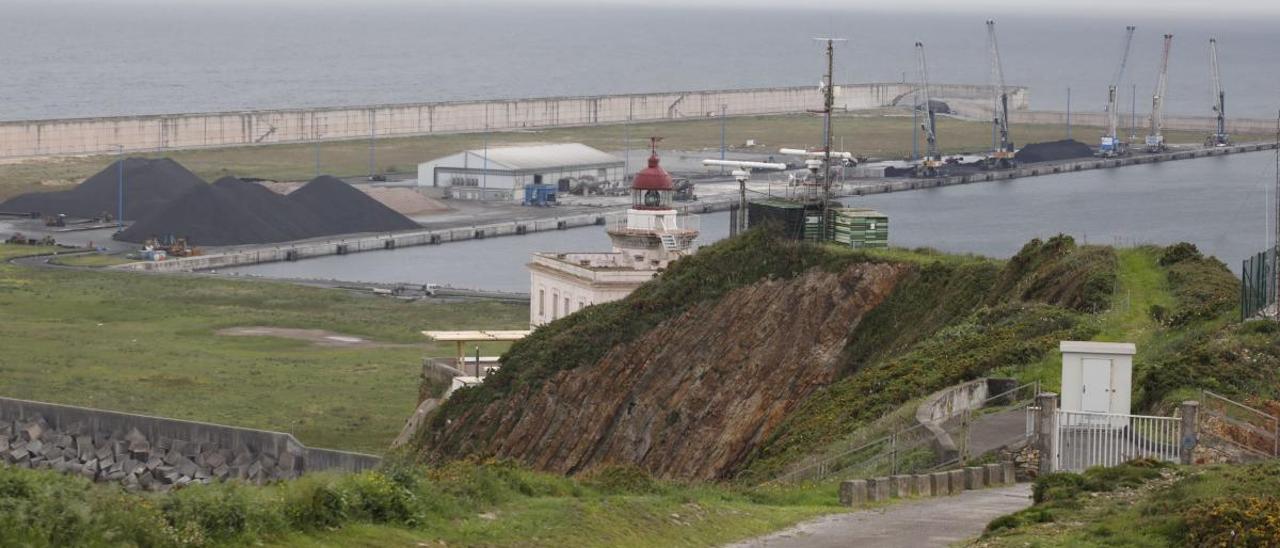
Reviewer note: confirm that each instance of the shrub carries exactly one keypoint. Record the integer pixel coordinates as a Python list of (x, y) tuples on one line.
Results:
[(374, 497), (1056, 487), (622, 479), (313, 502), (1179, 252), (222, 511), (1234, 521)]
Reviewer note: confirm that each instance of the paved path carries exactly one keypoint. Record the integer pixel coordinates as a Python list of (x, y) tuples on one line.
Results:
[(993, 431), (916, 523)]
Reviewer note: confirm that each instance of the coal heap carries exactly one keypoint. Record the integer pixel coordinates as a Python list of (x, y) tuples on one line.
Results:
[(235, 212), (149, 185), (1053, 151), (345, 209)]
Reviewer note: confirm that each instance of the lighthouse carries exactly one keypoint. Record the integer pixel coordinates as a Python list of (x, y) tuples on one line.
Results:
[(645, 241)]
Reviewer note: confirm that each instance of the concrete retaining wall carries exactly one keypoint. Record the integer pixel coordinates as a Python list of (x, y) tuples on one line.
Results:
[(104, 425), (1255, 126), (951, 402), (34, 138)]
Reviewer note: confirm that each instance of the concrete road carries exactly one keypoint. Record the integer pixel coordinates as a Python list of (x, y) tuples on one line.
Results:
[(909, 524)]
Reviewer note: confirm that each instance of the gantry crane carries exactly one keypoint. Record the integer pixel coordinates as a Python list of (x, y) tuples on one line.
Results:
[(1219, 137), (930, 165), (1111, 144), (1002, 153), (1155, 139)]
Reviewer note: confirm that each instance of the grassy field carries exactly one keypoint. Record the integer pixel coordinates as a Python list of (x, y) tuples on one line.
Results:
[(147, 344), (90, 260), (876, 134)]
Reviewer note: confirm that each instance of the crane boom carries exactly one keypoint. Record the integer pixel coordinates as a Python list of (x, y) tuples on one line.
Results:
[(930, 124), (1002, 156), (1220, 137), (1155, 139), (1113, 112)]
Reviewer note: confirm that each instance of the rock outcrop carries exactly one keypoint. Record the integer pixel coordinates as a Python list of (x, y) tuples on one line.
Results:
[(692, 397)]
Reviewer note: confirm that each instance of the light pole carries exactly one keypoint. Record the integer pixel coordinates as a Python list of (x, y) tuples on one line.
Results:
[(723, 109), (1068, 112), (120, 187)]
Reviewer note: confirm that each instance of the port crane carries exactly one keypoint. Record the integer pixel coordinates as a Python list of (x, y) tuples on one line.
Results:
[(1219, 137), (932, 162), (1002, 155), (1111, 145), (1155, 139)]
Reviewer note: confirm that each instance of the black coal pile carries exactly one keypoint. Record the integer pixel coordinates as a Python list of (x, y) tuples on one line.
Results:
[(236, 212), (1053, 151), (345, 209), (149, 185)]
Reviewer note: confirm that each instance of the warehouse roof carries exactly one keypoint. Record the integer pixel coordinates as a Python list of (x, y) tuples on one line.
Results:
[(543, 156)]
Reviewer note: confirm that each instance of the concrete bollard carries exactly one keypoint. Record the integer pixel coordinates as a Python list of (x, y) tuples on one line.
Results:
[(1010, 471), (957, 481), (941, 483), (973, 477), (923, 486), (853, 492), (900, 486), (1190, 438), (995, 474), (878, 489)]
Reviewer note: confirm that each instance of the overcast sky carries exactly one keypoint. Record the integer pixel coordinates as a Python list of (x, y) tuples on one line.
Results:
[(1082, 8)]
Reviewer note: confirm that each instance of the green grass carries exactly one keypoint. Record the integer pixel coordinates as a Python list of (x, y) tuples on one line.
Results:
[(462, 504), (871, 134), (1218, 505), (91, 260), (147, 344)]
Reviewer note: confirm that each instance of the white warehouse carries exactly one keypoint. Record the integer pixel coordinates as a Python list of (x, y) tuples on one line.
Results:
[(500, 173)]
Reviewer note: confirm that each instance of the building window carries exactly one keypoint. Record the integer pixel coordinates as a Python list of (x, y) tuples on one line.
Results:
[(463, 180), (555, 304), (542, 303), (566, 306), (579, 305)]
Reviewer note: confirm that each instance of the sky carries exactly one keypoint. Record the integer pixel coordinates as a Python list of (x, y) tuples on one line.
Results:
[(1079, 8)]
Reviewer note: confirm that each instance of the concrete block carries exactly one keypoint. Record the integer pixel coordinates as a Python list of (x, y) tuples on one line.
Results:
[(32, 432), (900, 486), (957, 480), (922, 486), (1010, 472), (852, 492), (878, 489), (995, 474), (973, 476), (941, 483)]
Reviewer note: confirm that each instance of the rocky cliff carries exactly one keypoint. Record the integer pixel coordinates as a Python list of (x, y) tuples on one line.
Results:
[(692, 397)]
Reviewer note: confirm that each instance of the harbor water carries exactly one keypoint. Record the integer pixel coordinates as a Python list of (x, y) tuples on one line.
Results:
[(1221, 204)]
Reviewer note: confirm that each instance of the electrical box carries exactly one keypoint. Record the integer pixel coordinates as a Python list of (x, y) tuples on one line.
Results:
[(1097, 377)]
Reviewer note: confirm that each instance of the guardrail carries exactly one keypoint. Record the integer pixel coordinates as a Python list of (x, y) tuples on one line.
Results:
[(1252, 433), (1084, 439)]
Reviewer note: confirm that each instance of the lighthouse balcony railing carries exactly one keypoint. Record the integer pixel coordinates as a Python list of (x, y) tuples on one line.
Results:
[(672, 223)]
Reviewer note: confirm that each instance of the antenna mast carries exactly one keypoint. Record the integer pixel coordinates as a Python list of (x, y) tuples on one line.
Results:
[(828, 104)]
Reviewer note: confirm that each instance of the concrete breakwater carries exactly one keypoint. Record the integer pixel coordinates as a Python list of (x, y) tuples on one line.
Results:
[(37, 138), (370, 242), (154, 453)]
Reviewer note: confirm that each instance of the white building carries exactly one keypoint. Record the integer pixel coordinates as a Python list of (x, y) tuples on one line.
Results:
[(500, 173), (645, 241)]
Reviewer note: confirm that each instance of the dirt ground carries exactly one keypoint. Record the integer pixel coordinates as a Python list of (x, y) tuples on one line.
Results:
[(317, 337)]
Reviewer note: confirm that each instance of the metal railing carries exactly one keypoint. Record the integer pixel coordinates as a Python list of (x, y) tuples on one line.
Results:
[(907, 450), (1085, 439), (1250, 432), (1257, 284)]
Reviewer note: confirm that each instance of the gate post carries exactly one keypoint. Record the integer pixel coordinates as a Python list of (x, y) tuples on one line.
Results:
[(1046, 416), (1190, 438)]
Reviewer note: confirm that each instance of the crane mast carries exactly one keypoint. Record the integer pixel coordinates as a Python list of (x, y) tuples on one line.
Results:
[(1219, 137), (1155, 139), (932, 160), (1002, 155), (1111, 145)]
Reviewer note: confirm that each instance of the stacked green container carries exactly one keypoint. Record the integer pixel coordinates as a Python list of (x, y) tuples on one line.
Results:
[(858, 227)]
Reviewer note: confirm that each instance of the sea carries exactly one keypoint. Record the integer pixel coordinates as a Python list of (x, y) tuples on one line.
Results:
[(75, 58)]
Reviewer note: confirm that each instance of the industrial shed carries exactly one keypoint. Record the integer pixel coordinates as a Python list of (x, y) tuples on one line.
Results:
[(500, 173)]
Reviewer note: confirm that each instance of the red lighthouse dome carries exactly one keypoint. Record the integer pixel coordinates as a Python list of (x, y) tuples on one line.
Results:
[(652, 177)]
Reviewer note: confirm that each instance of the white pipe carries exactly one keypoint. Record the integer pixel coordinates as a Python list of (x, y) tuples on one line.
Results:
[(815, 153), (753, 165)]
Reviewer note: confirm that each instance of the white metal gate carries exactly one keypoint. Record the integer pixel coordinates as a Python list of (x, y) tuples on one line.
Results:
[(1083, 439)]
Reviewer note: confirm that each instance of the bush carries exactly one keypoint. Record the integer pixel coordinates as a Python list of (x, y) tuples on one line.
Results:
[(313, 502), (222, 512), (623, 479), (1179, 252), (373, 497), (1057, 487), (1234, 521)]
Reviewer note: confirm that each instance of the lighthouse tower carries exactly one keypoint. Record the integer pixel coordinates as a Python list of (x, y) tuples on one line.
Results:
[(652, 233), (645, 241)]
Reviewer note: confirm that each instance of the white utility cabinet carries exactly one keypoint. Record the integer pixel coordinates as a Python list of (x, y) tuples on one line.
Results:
[(1097, 377)]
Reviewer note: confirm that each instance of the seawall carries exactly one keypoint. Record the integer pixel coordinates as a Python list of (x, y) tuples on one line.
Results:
[(151, 133)]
